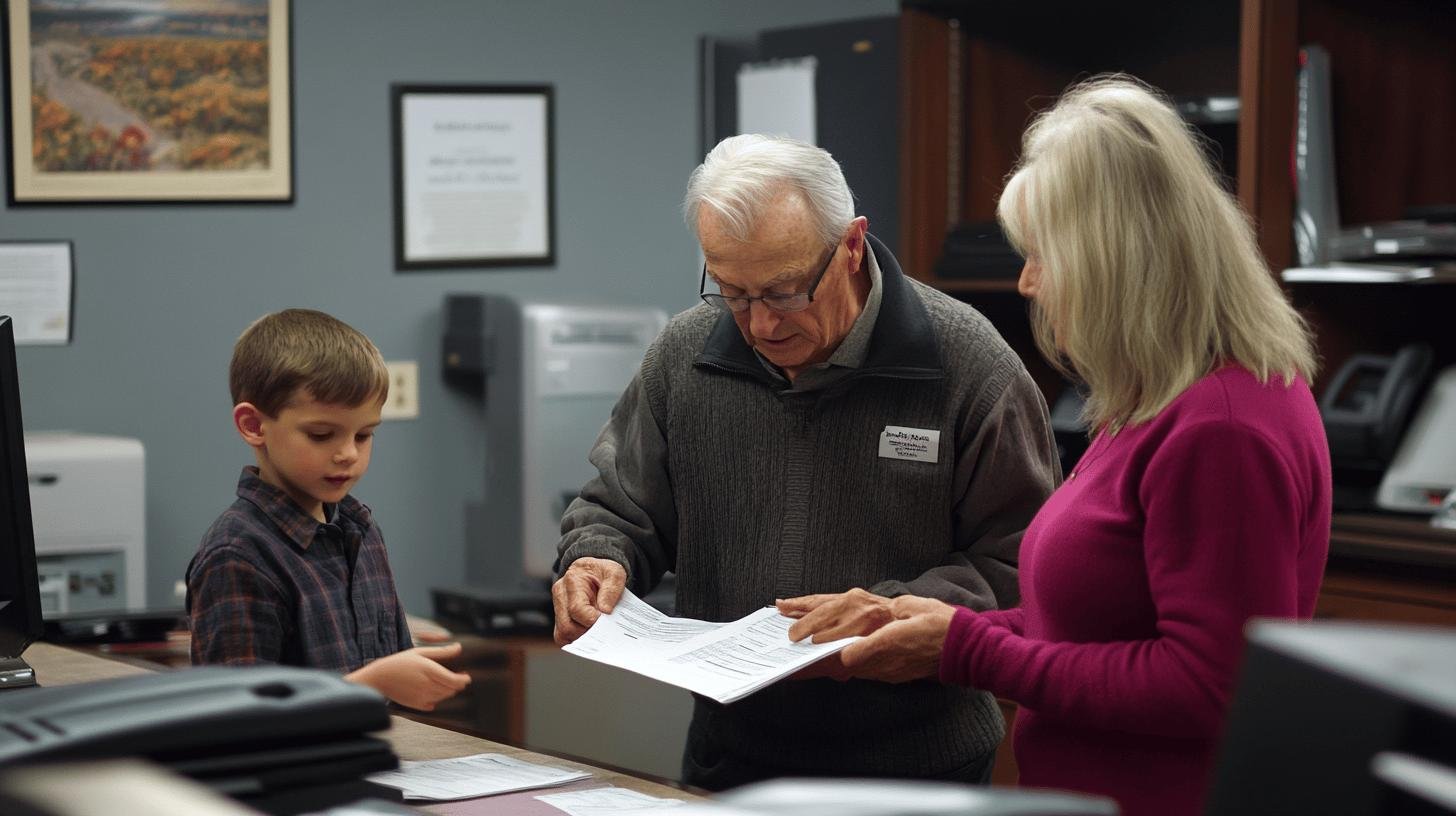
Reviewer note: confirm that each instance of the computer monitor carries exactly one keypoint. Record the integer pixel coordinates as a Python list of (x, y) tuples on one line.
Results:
[(1352, 718), (20, 621)]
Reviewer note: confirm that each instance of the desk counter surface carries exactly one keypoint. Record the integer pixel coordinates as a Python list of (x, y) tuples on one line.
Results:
[(60, 666)]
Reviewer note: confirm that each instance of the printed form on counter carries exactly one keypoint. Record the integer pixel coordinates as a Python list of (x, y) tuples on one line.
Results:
[(467, 777)]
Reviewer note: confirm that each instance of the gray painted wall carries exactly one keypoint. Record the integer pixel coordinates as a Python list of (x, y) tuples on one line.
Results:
[(162, 292)]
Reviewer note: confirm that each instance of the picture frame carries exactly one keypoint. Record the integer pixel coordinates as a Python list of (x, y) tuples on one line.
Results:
[(135, 101), (474, 176)]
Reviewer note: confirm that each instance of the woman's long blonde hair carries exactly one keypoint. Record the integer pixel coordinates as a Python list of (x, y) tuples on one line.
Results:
[(1151, 277)]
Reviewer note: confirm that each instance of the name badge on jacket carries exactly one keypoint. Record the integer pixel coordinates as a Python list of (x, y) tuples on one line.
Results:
[(914, 444)]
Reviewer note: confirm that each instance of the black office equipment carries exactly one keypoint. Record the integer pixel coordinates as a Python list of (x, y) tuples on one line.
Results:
[(488, 610), (978, 250), (857, 101), (467, 349), (1331, 718), (282, 739), (148, 626), (1365, 409), (20, 617)]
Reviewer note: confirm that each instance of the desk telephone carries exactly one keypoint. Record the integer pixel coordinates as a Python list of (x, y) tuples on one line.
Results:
[(1385, 455), (255, 732), (1366, 405)]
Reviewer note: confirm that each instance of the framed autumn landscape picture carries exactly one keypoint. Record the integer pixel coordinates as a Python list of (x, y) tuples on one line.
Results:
[(148, 101)]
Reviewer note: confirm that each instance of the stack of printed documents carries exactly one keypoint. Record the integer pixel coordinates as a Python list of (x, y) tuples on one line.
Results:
[(723, 661)]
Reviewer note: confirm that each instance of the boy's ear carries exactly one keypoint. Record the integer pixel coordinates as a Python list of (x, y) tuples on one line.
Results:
[(249, 422)]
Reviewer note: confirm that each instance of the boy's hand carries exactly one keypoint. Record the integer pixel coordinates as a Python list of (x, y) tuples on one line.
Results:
[(414, 678), (590, 587)]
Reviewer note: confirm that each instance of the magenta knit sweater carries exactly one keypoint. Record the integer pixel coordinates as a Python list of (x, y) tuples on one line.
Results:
[(1137, 577)]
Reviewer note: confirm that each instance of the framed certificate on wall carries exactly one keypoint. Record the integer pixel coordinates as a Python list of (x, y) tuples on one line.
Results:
[(473, 176), (37, 290)]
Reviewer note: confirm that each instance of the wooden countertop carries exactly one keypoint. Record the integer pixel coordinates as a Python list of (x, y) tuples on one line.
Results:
[(60, 666)]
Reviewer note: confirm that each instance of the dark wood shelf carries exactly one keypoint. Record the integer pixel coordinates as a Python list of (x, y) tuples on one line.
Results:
[(1393, 539)]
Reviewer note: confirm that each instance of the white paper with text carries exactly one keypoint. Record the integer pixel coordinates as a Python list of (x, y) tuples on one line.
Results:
[(467, 777), (608, 801), (723, 661)]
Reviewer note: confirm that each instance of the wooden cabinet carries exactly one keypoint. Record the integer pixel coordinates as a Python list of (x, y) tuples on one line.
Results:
[(1389, 568)]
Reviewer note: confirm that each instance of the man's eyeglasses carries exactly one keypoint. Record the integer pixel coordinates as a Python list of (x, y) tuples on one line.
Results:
[(787, 302)]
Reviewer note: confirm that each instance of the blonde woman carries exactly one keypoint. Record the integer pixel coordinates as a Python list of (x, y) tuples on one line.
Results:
[(1203, 500)]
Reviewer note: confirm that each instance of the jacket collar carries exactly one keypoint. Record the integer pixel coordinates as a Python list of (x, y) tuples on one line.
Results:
[(903, 342)]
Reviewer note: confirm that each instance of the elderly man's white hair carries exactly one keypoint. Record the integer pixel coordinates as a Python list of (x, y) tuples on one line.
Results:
[(744, 175)]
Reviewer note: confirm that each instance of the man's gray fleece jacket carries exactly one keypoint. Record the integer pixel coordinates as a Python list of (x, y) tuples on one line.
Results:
[(712, 468)]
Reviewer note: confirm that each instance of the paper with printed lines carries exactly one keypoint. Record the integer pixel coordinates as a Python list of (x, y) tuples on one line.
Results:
[(721, 661)]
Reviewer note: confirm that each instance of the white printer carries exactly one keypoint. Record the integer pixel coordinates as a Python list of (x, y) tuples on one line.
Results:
[(1424, 469), (88, 505)]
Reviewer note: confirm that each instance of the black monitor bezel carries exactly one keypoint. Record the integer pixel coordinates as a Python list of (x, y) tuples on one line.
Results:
[(20, 620)]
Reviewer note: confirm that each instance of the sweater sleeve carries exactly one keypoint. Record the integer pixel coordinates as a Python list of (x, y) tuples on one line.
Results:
[(1221, 541), (1012, 620), (626, 513), (1006, 466)]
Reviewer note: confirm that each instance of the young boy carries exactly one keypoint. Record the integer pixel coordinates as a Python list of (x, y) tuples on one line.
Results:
[(295, 570)]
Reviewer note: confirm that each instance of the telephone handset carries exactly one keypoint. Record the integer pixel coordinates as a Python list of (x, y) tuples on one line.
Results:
[(1366, 405)]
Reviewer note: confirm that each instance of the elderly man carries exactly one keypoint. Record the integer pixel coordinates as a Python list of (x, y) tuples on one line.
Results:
[(821, 422)]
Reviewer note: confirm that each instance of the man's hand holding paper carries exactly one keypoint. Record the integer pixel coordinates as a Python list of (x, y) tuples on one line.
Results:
[(590, 587)]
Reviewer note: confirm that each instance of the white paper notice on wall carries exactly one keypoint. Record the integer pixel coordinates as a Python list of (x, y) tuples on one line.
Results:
[(35, 290), (777, 98)]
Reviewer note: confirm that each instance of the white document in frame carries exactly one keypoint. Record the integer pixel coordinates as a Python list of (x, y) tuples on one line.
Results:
[(723, 661), (35, 290), (778, 98), (468, 777)]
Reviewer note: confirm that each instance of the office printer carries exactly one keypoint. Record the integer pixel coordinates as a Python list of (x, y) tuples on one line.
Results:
[(88, 505), (1423, 471)]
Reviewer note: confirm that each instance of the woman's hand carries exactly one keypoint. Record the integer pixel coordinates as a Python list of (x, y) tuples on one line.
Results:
[(904, 634), (907, 649)]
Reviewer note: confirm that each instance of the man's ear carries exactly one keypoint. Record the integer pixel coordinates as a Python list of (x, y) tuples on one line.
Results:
[(854, 240), (249, 422)]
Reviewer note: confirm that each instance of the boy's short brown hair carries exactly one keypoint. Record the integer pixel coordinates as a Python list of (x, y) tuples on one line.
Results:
[(301, 349)]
